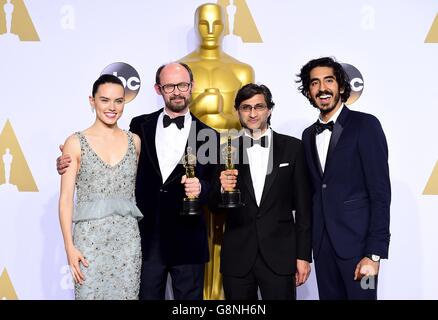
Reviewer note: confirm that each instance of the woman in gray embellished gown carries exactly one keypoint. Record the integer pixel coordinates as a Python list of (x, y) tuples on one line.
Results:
[(103, 247)]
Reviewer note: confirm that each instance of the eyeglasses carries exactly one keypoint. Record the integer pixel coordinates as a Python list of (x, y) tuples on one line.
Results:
[(170, 87), (248, 108)]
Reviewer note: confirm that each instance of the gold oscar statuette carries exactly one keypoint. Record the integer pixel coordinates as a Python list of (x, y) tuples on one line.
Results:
[(230, 198), (190, 203), (218, 76)]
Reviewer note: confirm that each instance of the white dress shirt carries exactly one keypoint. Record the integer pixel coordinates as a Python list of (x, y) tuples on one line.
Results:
[(170, 143), (258, 158), (323, 139)]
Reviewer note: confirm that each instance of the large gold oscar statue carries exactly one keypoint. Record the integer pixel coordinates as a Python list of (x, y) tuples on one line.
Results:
[(218, 77)]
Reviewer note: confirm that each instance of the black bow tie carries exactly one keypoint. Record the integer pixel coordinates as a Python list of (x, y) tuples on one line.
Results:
[(320, 127), (179, 121), (249, 142)]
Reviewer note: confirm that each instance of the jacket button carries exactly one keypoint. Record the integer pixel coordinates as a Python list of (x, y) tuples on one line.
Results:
[(324, 186)]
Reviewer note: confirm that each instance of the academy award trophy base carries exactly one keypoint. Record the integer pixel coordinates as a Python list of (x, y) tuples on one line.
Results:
[(231, 199), (191, 207)]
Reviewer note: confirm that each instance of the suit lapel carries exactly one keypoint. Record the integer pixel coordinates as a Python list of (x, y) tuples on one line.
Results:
[(275, 153), (177, 172), (149, 128), (244, 171), (338, 128), (315, 155)]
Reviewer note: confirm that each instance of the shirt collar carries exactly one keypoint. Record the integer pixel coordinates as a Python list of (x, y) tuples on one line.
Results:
[(267, 133)]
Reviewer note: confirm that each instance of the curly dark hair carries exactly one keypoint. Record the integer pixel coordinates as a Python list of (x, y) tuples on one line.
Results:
[(340, 75)]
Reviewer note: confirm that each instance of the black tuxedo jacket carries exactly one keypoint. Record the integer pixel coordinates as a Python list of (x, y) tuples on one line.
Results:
[(176, 239), (280, 228)]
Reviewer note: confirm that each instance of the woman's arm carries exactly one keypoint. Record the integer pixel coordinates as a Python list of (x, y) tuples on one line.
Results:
[(68, 179)]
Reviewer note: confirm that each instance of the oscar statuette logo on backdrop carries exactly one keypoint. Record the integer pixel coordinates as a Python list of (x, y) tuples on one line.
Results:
[(15, 22), (240, 21), (7, 291), (15, 174), (431, 187), (432, 35)]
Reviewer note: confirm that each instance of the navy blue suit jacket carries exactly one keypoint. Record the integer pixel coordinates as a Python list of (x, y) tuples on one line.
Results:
[(351, 199)]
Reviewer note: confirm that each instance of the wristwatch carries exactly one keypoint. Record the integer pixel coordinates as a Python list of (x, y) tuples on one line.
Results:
[(373, 257)]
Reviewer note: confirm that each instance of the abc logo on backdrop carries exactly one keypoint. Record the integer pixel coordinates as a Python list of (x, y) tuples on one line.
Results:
[(356, 82), (128, 75)]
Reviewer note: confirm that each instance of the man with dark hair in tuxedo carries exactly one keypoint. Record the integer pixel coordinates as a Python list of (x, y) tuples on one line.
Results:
[(267, 242), (347, 157)]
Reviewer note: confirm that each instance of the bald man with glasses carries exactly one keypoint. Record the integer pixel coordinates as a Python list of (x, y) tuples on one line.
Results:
[(171, 243)]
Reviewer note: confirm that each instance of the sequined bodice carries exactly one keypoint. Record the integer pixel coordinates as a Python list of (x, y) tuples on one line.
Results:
[(97, 180)]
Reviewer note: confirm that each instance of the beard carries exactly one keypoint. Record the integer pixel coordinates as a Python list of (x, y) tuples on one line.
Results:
[(178, 107), (329, 108)]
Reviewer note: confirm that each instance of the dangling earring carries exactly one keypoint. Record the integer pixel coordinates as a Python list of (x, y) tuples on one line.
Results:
[(92, 109)]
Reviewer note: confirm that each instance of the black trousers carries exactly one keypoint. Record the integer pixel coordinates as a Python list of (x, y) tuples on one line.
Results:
[(272, 286), (187, 281)]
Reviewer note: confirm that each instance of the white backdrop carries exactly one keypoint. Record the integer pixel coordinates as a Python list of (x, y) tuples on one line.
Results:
[(44, 86)]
